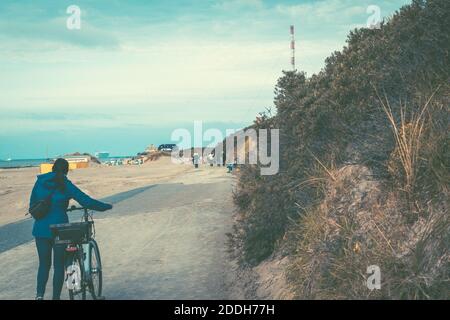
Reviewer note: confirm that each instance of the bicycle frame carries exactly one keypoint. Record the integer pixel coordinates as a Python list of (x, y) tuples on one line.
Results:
[(86, 249)]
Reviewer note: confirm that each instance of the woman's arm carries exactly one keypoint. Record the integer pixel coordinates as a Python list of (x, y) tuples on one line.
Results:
[(86, 201)]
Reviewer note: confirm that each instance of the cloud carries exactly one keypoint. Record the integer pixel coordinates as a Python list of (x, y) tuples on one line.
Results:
[(323, 11), (232, 5), (139, 64), (197, 58), (56, 32)]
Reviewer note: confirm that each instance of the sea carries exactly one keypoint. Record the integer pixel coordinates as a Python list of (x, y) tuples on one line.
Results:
[(21, 163), (25, 163)]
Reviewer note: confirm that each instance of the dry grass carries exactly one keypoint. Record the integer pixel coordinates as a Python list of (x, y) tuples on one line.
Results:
[(362, 222), (408, 134), (359, 225)]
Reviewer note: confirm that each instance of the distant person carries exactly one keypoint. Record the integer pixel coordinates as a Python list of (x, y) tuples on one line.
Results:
[(210, 159), (196, 159), (60, 190), (232, 165)]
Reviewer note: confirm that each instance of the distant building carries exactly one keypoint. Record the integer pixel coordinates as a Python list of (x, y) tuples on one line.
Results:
[(78, 159), (102, 154), (167, 147)]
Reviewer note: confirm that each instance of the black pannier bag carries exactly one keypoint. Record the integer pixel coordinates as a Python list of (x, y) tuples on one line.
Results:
[(75, 232)]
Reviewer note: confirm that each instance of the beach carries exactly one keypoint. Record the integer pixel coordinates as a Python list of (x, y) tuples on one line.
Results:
[(97, 181), (165, 238)]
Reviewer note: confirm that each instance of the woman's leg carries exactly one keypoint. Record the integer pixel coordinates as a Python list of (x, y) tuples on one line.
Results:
[(58, 270), (44, 249)]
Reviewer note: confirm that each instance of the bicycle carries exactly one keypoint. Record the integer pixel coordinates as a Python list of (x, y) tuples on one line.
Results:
[(82, 256)]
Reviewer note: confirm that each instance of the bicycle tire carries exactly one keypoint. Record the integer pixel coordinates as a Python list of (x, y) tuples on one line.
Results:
[(95, 267), (80, 295)]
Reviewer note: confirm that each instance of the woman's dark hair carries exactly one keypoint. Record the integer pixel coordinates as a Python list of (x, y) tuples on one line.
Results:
[(61, 168)]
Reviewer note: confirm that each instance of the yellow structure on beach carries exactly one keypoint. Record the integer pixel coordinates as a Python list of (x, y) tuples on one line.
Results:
[(46, 167), (74, 163)]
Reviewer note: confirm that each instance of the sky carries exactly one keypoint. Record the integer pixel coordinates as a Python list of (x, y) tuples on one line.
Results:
[(138, 69)]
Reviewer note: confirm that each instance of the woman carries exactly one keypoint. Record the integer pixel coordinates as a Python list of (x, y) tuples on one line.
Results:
[(56, 185)]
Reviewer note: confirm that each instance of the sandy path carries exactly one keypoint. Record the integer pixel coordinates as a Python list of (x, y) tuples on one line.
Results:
[(166, 242)]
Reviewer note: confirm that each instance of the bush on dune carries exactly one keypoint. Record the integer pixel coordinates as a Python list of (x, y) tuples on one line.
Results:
[(364, 165)]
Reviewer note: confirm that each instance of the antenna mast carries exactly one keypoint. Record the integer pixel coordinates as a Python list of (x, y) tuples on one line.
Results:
[(293, 47)]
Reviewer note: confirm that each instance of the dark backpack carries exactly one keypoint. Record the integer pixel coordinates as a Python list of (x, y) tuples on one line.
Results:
[(40, 209)]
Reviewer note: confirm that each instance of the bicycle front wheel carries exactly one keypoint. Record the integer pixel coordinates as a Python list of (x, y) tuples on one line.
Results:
[(95, 267)]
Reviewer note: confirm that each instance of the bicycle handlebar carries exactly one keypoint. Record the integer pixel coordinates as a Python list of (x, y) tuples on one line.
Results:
[(75, 208)]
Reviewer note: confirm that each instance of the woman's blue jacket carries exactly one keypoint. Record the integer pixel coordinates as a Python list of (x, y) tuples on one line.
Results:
[(46, 186)]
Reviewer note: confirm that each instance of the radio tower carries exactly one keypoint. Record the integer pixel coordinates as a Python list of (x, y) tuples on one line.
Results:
[(293, 48)]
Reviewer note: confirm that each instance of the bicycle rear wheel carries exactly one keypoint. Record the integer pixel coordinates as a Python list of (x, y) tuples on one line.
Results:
[(95, 266), (75, 275)]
